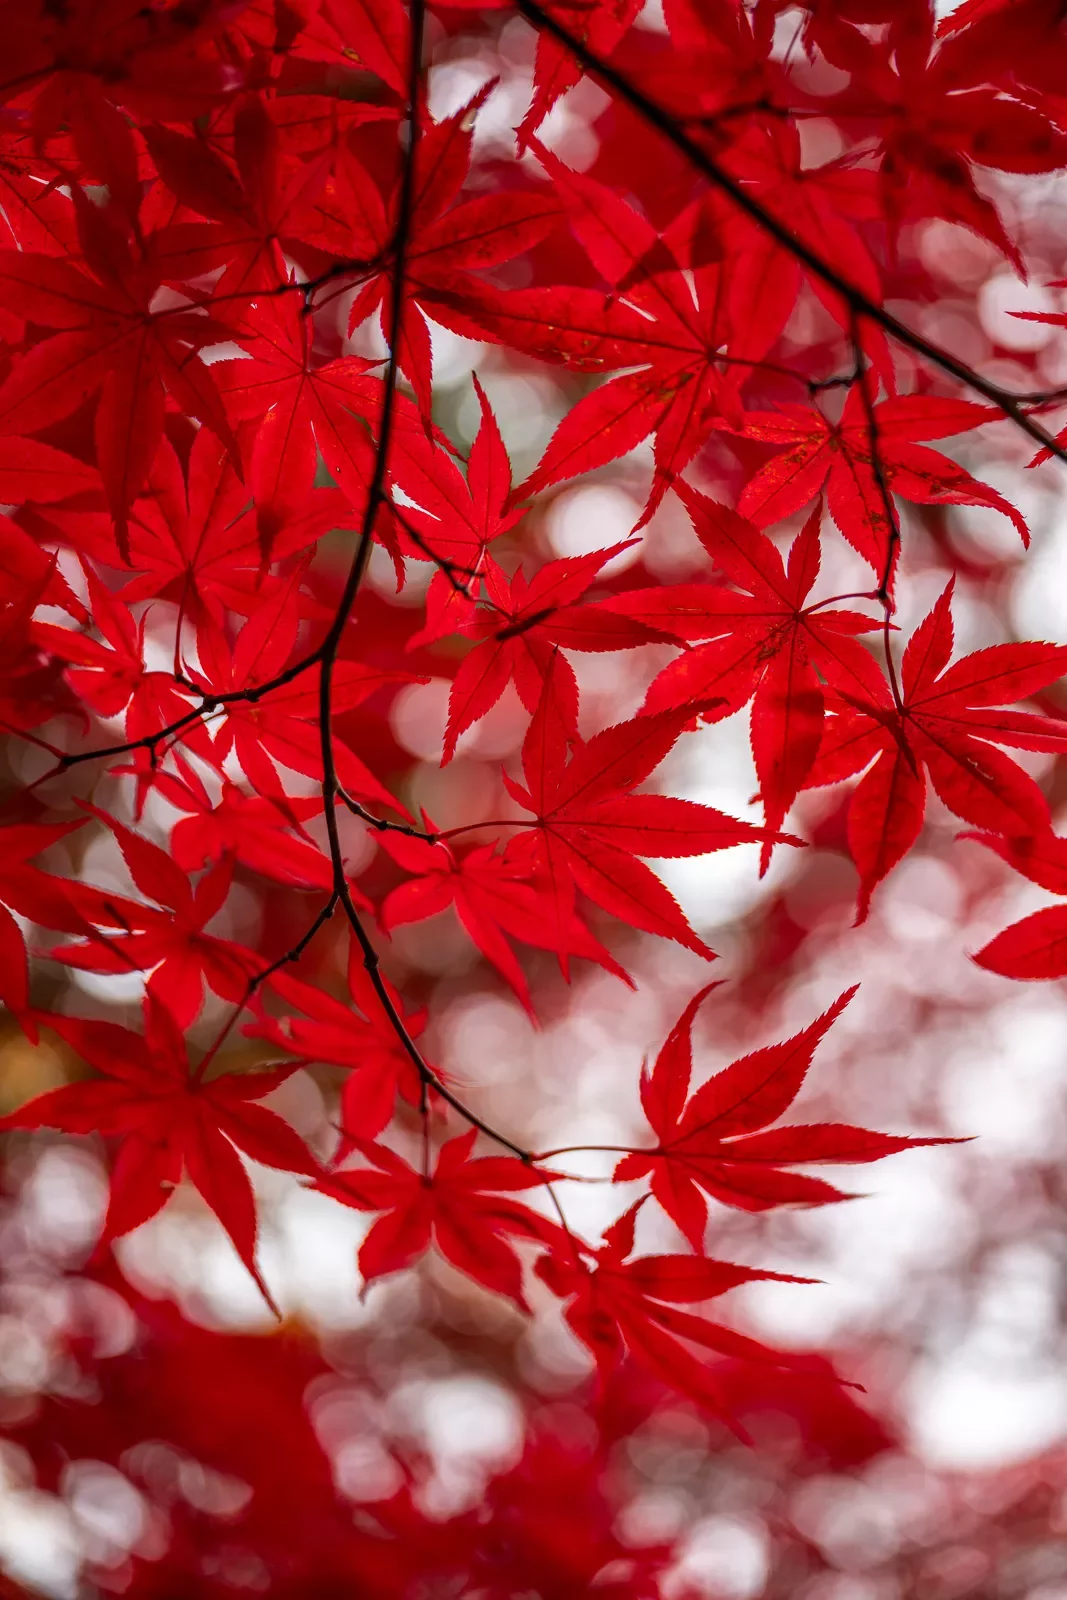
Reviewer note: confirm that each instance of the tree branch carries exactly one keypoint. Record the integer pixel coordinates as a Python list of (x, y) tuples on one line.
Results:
[(376, 497), (860, 304)]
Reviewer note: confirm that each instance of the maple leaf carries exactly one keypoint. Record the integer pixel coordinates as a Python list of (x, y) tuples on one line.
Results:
[(591, 828), (491, 899), (167, 939), (934, 122), (282, 727), (448, 239), (97, 55), (718, 1142), (193, 537), (37, 895), (361, 1040), (848, 456), (253, 211), (300, 407), (108, 339), (169, 1120), (454, 518), (1036, 946), (615, 1305), (823, 206), (30, 692), (109, 674), (383, 31), (768, 646), (464, 1207), (518, 632), (36, 217), (948, 723), (598, 24), (105, 672), (245, 829), (29, 578), (30, 470), (717, 71), (671, 323)]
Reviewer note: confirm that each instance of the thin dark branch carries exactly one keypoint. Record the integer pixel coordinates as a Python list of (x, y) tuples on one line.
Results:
[(513, 630), (581, 1149), (442, 563), (376, 497), (860, 304), (884, 593), (490, 822), (209, 702), (258, 979), (383, 824)]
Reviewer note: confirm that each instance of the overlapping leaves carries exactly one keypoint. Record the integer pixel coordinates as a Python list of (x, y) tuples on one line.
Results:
[(212, 215)]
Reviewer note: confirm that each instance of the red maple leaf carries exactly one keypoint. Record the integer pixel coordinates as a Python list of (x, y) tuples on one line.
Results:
[(30, 470), (167, 939), (255, 833), (492, 899), (360, 1040), (299, 407), (599, 24), (454, 518), (108, 339), (665, 312), (519, 629), (169, 1120), (617, 1305), (717, 1141), (590, 828), (850, 455), (1035, 947), (948, 723), (38, 218), (281, 727), (449, 239), (109, 674), (37, 895), (936, 116), (253, 210), (193, 537), (823, 206), (767, 646), (30, 692), (463, 1206)]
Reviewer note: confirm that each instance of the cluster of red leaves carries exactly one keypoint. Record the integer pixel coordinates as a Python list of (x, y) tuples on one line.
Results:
[(202, 206)]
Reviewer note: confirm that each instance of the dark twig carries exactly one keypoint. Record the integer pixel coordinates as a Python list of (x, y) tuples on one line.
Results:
[(383, 824), (259, 978), (376, 497), (884, 592), (860, 304)]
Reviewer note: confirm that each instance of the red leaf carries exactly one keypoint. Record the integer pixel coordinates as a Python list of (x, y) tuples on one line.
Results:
[(710, 1143), (946, 725), (167, 1118), (843, 458), (590, 828), (1036, 947), (461, 1207)]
